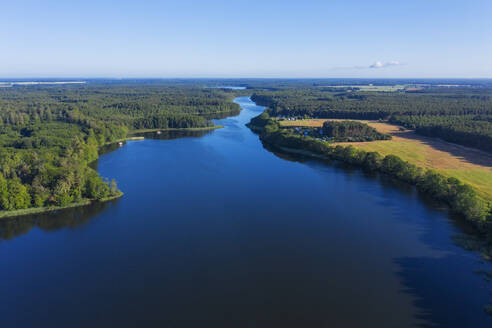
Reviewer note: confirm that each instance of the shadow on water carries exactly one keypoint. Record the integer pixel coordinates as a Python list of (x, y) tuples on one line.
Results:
[(422, 277), (51, 221), (221, 115), (456, 221), (163, 135), (383, 179)]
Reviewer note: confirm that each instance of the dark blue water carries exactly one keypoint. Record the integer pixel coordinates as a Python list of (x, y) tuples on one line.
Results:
[(217, 231)]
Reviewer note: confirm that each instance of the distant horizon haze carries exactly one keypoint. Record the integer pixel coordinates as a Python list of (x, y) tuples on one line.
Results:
[(219, 78)]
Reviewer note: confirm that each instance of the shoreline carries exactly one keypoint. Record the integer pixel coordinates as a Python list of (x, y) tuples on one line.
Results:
[(47, 209), (472, 206), (131, 134), (86, 202), (476, 241)]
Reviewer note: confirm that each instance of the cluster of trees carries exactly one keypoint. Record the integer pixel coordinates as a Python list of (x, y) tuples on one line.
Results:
[(49, 134), (352, 131), (467, 130), (167, 121), (462, 115), (461, 197), (52, 176)]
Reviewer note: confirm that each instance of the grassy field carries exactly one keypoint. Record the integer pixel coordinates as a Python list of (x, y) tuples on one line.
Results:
[(308, 122), (469, 165)]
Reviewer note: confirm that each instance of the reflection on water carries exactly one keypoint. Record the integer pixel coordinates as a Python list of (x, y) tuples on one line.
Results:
[(221, 115), (384, 180), (173, 134), (50, 221)]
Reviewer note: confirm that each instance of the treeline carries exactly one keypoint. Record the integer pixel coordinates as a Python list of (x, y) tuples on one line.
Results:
[(461, 198), (352, 131), (114, 103), (171, 121), (461, 115), (326, 103), (49, 134), (464, 130)]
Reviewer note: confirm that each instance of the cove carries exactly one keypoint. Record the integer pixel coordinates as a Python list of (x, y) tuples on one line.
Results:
[(214, 229)]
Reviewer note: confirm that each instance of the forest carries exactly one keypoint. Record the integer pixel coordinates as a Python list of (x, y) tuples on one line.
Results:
[(352, 131), (50, 134), (462, 115)]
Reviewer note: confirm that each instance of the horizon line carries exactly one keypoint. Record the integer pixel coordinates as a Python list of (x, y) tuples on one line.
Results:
[(6, 79)]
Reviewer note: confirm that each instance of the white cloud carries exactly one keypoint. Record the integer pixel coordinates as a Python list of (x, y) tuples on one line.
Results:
[(379, 64)]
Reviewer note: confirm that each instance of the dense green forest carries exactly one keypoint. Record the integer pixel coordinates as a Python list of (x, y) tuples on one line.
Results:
[(461, 115), (461, 197), (49, 134), (469, 130), (352, 131)]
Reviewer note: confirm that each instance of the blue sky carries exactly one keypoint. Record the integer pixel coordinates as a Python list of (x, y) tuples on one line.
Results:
[(247, 38)]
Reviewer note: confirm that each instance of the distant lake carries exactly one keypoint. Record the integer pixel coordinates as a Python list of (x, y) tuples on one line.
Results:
[(215, 230), (228, 87)]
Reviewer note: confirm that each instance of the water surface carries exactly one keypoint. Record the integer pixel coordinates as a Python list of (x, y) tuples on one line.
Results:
[(216, 230)]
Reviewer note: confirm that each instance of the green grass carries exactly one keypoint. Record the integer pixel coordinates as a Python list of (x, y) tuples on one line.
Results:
[(481, 181), (420, 154), (408, 151)]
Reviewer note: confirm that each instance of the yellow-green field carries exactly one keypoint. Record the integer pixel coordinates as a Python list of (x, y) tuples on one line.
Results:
[(308, 122), (469, 165)]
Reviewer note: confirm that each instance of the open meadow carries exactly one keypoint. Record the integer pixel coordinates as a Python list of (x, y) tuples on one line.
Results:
[(467, 164)]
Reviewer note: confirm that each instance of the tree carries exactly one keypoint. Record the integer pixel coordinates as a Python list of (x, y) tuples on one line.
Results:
[(467, 202), (96, 188), (4, 193), (373, 160), (19, 197), (113, 187)]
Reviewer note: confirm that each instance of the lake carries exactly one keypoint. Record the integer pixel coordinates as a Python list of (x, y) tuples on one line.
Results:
[(216, 230)]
